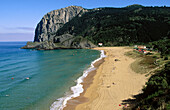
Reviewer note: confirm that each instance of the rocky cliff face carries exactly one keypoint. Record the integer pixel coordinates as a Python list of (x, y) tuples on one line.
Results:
[(54, 20), (65, 41), (45, 33)]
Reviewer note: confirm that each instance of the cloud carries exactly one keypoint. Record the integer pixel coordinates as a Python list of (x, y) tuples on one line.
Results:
[(16, 37), (21, 28), (16, 29), (25, 28)]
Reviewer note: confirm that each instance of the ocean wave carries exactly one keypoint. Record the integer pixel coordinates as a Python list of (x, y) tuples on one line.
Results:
[(60, 103)]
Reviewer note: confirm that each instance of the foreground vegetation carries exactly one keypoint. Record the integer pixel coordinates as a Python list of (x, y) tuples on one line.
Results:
[(155, 95)]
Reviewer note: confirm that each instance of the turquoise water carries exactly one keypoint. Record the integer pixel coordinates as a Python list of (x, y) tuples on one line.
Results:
[(51, 74)]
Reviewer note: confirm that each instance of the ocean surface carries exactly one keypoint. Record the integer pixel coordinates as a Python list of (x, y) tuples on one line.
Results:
[(34, 80)]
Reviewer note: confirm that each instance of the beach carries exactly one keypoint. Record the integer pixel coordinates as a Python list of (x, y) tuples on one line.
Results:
[(112, 82)]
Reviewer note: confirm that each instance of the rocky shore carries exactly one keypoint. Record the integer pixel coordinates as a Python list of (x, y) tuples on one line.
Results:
[(72, 43)]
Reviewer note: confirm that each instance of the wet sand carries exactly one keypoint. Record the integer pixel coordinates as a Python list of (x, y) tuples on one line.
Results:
[(71, 104)]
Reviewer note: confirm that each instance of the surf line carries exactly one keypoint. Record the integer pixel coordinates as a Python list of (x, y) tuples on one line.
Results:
[(60, 103)]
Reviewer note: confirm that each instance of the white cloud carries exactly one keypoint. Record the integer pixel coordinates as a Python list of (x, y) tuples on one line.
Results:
[(16, 29)]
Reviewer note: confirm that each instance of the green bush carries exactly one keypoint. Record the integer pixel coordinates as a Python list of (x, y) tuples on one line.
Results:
[(156, 92), (149, 53), (166, 58), (154, 57)]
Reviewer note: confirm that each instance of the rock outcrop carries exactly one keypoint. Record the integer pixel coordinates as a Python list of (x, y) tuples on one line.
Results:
[(45, 33), (70, 41), (54, 20), (47, 45), (65, 41)]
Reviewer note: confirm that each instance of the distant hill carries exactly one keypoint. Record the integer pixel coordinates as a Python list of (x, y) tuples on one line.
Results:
[(134, 6)]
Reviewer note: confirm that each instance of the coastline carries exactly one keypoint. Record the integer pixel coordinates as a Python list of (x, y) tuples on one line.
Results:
[(72, 103), (79, 88), (112, 83)]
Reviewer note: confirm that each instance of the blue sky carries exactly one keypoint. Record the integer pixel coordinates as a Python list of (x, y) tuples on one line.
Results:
[(18, 18)]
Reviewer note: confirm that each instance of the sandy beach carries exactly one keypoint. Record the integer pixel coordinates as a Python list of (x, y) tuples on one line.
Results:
[(110, 84)]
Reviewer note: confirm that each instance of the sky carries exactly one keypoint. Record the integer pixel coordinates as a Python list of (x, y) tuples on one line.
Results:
[(18, 18)]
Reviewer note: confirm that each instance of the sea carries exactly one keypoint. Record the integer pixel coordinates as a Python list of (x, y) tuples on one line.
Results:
[(42, 79)]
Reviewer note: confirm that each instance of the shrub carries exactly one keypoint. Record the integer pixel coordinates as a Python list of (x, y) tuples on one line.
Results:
[(166, 58), (149, 53), (154, 57)]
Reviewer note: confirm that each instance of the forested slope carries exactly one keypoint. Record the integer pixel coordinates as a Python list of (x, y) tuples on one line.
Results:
[(121, 26)]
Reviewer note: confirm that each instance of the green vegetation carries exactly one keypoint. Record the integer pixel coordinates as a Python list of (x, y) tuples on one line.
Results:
[(158, 57), (166, 58), (133, 54), (156, 92), (163, 46), (155, 95), (143, 63), (130, 25), (163, 50)]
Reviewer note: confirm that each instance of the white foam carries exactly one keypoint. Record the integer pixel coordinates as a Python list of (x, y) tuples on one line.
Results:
[(60, 103)]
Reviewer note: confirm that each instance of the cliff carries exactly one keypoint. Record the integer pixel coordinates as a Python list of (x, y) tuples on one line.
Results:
[(45, 37), (54, 20)]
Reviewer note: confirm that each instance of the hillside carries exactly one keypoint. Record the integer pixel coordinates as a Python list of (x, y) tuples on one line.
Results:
[(120, 26)]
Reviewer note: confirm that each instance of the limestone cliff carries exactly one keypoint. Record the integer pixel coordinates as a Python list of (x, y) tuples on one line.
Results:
[(54, 20), (45, 33)]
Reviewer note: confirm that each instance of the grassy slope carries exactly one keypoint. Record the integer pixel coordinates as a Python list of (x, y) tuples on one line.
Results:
[(143, 63)]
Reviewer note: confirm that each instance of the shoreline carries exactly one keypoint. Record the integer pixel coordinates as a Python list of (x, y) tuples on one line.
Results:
[(79, 88), (111, 85), (72, 103)]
